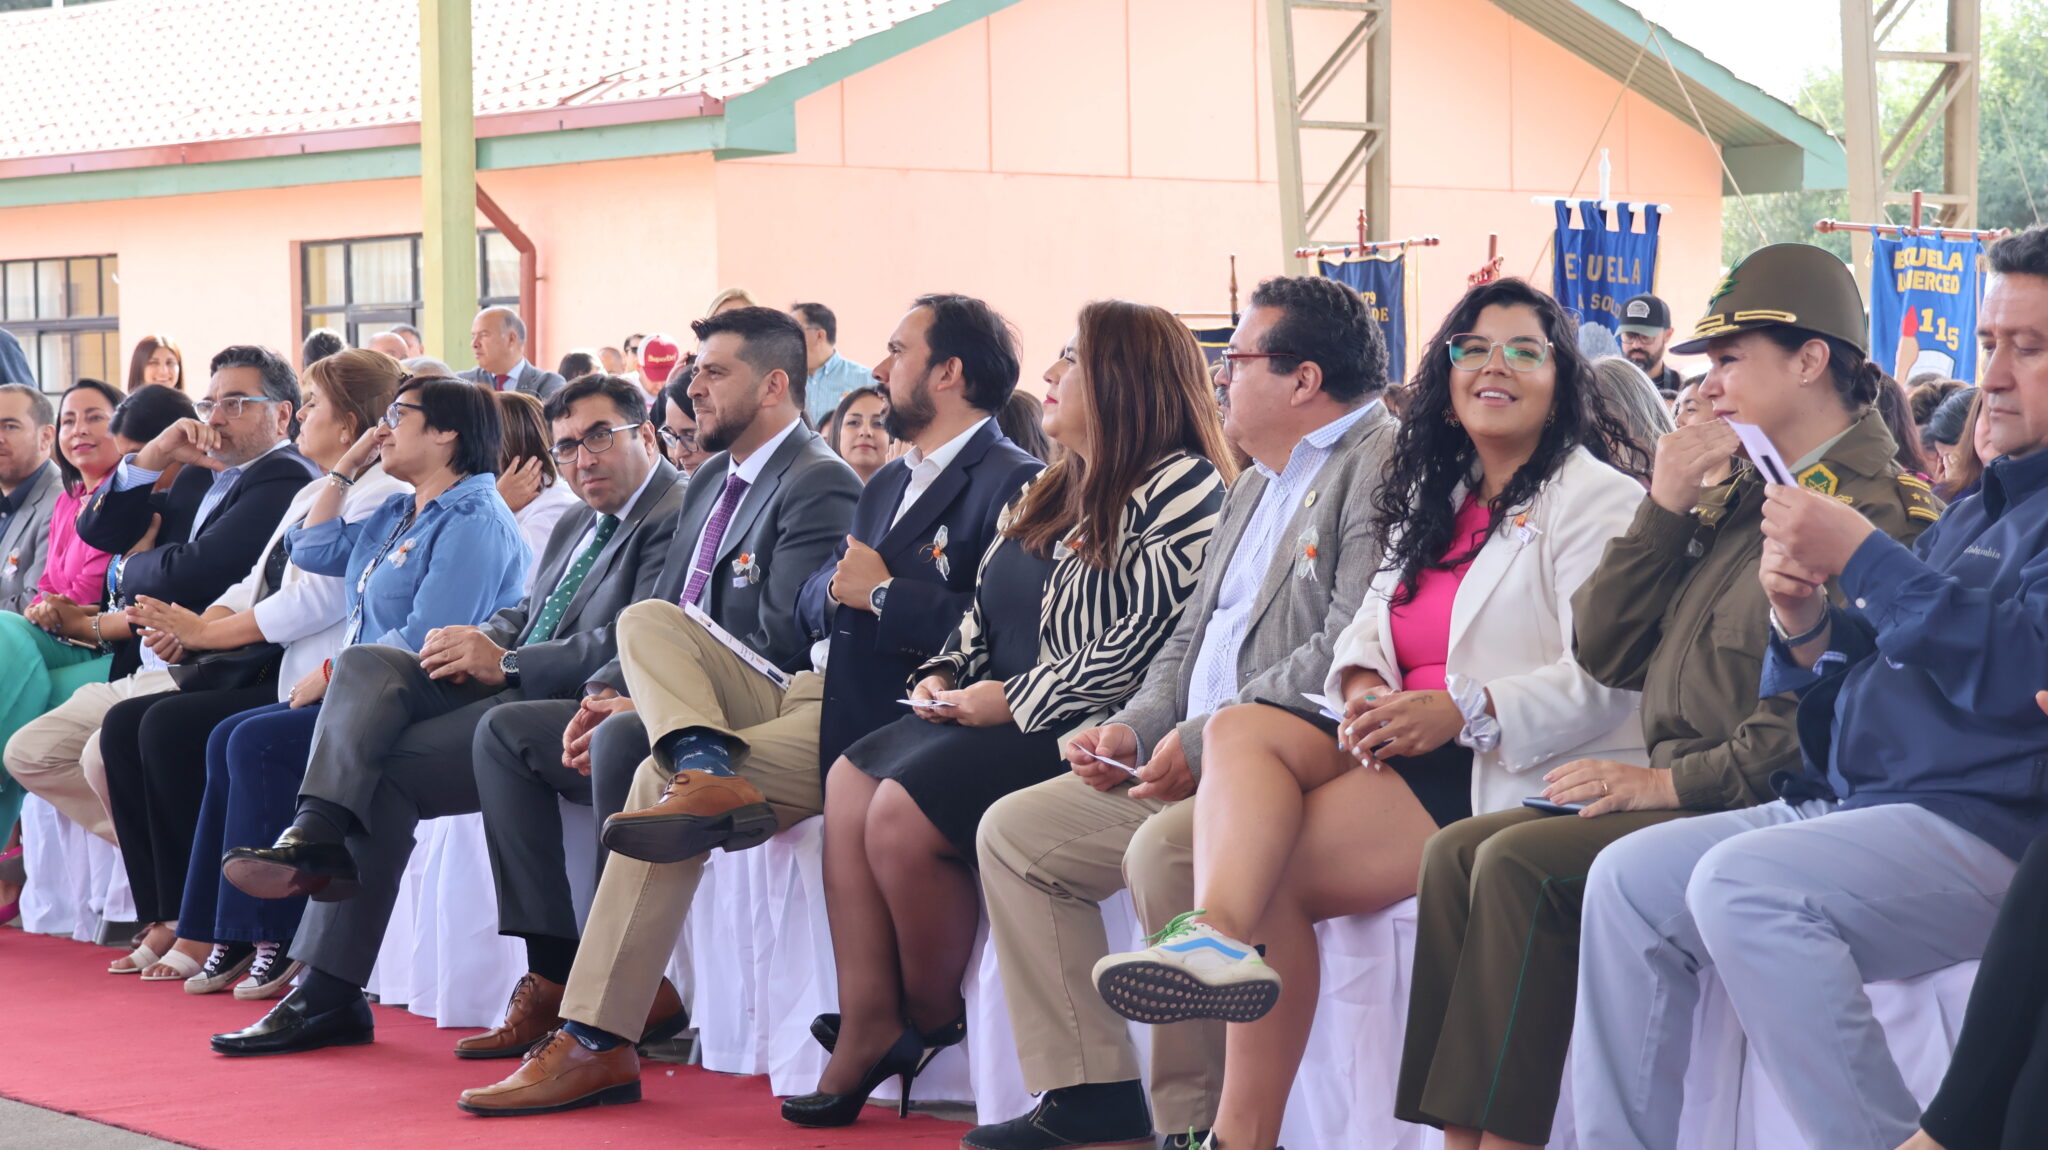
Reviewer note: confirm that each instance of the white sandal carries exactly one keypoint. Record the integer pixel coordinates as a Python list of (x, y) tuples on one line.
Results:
[(183, 966), (138, 960)]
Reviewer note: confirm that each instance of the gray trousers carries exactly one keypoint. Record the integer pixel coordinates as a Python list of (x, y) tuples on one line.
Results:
[(1796, 908), (519, 780), (392, 746)]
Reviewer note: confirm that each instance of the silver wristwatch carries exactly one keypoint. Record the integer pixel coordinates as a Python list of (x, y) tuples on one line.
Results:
[(509, 667), (879, 595)]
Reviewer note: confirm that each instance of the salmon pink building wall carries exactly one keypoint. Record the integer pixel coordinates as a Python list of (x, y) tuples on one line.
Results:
[(1055, 152)]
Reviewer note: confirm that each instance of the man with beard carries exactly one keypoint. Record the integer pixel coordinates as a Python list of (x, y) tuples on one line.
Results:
[(700, 678), (1645, 332)]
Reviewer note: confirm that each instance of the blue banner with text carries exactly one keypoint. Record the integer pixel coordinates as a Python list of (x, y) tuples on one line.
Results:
[(1597, 267)]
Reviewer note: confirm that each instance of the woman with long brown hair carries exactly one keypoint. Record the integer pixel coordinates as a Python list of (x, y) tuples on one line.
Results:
[(1086, 580), (156, 359)]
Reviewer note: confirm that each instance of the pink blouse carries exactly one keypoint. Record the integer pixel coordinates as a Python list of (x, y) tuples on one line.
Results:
[(1421, 627), (74, 569)]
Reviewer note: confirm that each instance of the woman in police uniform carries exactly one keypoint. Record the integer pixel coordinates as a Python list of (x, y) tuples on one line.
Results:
[(1674, 611)]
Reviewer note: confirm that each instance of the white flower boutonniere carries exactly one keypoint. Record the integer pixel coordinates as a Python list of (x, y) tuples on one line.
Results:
[(1305, 554), (744, 567), (935, 554)]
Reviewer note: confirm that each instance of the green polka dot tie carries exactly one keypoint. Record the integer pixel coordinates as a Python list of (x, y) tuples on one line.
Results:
[(551, 612)]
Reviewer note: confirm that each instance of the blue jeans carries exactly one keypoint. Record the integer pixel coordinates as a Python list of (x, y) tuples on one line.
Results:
[(254, 763)]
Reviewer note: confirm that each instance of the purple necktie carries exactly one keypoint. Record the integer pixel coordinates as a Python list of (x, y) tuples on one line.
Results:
[(714, 535)]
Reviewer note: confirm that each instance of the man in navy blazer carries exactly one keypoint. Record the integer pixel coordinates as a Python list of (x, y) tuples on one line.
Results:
[(189, 543), (903, 579)]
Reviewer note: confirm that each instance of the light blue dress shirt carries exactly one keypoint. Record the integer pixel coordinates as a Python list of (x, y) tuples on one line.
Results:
[(825, 387), (460, 562)]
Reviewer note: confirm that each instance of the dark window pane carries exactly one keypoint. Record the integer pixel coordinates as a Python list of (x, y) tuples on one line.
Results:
[(82, 284), (498, 277)]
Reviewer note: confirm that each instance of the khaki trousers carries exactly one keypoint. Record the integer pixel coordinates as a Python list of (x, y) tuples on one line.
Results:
[(56, 755), (1049, 855), (680, 677)]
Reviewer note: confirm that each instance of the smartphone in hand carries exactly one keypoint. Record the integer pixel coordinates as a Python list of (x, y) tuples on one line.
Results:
[(1538, 803)]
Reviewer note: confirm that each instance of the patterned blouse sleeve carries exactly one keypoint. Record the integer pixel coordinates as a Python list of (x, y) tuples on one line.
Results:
[(1170, 520)]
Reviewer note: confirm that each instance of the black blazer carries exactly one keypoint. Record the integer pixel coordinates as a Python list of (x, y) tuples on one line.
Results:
[(624, 573), (789, 520), (871, 657), (192, 572)]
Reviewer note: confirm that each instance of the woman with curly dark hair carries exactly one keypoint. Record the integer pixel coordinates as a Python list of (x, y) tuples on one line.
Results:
[(1455, 680)]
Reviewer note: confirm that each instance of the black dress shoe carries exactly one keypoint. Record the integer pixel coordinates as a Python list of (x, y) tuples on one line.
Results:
[(289, 1029), (296, 865)]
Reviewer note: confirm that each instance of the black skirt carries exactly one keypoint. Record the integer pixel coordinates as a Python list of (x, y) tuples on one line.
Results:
[(1441, 779), (954, 773)]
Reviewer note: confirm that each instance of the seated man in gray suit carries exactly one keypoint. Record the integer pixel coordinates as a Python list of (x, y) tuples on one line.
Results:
[(1291, 560), (393, 741), (28, 491), (759, 520), (497, 338)]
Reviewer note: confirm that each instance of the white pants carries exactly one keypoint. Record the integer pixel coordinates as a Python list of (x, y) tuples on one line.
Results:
[(1796, 907)]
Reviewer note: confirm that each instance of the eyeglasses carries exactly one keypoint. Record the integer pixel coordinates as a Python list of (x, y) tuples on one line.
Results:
[(1231, 358), (397, 410), (597, 443), (1471, 352), (229, 408), (678, 440)]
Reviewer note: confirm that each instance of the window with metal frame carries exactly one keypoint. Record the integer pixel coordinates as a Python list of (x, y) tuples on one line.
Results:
[(66, 312), (362, 286)]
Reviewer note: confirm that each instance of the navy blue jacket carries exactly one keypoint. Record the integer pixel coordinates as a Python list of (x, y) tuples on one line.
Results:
[(871, 658), (192, 571), (1926, 695)]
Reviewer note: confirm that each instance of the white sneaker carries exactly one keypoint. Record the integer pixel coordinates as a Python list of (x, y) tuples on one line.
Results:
[(1189, 971)]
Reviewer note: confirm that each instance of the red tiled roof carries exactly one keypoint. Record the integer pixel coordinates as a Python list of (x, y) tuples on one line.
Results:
[(128, 74)]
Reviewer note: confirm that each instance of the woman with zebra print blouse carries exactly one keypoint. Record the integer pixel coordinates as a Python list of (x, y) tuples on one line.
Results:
[(1095, 560)]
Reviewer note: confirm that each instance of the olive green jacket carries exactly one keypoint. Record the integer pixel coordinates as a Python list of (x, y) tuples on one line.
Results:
[(1675, 611)]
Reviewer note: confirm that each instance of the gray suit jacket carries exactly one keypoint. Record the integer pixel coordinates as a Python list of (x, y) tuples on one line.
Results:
[(625, 572), (790, 521), (25, 545), (533, 381), (1286, 650)]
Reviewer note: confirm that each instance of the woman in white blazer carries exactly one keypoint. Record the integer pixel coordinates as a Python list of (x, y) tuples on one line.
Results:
[(1455, 683)]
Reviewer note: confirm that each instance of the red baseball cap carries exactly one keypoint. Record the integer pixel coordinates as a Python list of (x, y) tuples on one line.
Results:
[(659, 356)]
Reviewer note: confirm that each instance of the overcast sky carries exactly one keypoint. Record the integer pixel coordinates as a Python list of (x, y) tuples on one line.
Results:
[(1775, 43)]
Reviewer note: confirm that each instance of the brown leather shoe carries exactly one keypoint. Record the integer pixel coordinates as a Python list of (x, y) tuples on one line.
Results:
[(536, 1009), (698, 811), (560, 1073)]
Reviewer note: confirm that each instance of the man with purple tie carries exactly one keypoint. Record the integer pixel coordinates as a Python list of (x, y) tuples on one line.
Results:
[(702, 668)]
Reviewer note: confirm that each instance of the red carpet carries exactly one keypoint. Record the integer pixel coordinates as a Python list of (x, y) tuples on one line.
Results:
[(135, 1055)]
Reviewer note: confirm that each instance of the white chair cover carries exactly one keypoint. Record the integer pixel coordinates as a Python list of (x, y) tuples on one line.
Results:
[(75, 879), (759, 921)]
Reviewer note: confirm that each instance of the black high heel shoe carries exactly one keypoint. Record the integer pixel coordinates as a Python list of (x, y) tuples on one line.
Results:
[(903, 1061), (825, 1032)]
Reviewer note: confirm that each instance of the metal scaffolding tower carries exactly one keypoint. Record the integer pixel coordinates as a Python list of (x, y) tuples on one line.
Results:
[(1876, 158), (1304, 217)]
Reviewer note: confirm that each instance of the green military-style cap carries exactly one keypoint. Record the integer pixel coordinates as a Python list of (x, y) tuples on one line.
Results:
[(1797, 285)]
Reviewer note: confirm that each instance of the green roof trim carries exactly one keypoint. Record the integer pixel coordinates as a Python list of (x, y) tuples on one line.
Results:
[(755, 123)]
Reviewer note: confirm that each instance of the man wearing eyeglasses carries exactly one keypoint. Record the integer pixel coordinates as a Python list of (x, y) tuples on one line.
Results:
[(430, 728), (237, 474), (1292, 558)]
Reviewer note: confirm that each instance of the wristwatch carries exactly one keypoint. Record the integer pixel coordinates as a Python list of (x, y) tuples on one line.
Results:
[(509, 666), (1790, 640), (879, 595)]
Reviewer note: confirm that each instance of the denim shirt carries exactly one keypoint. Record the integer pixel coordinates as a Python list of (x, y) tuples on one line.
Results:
[(1936, 664), (461, 561)]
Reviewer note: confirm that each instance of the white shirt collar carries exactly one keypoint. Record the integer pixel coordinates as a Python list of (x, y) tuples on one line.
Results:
[(758, 462), (1326, 436), (943, 457), (637, 493)]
